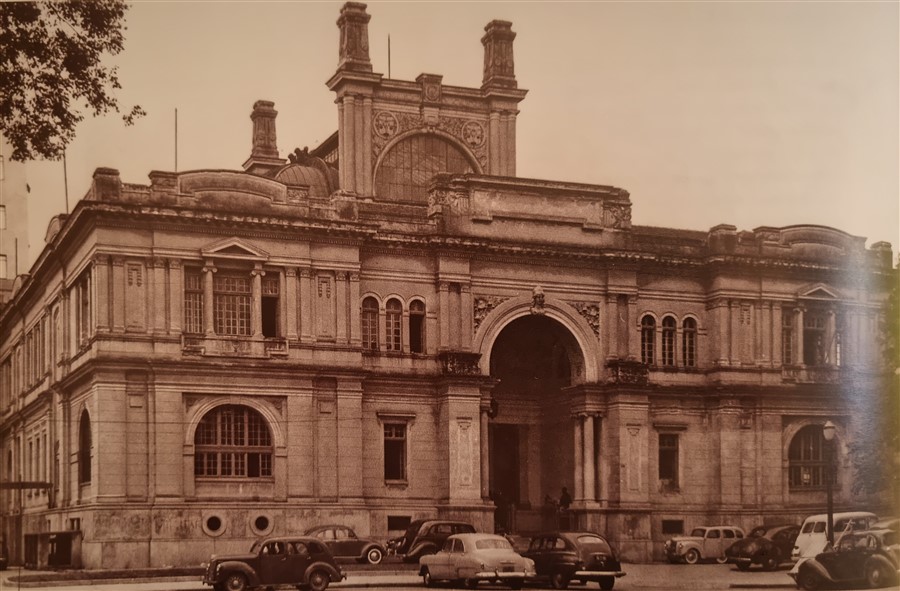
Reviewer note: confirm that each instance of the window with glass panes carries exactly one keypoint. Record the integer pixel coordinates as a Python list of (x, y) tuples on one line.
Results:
[(393, 313), (193, 301), (806, 458), (648, 334), (231, 304), (689, 342), (395, 451), (417, 326), (269, 305), (408, 167), (370, 324), (233, 441), (668, 458), (814, 346), (668, 340), (787, 337)]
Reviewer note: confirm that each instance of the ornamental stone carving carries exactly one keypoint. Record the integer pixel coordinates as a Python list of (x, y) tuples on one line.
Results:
[(388, 124), (473, 134), (459, 363), (482, 306), (627, 372), (591, 313), (537, 300), (617, 216), (385, 124)]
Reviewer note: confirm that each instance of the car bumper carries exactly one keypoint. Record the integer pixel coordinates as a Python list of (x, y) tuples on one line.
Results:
[(739, 560), (494, 575), (593, 575)]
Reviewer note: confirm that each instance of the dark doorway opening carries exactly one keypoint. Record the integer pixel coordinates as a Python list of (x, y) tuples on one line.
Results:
[(504, 444)]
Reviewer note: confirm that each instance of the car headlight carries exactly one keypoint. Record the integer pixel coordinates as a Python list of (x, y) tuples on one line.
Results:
[(680, 545)]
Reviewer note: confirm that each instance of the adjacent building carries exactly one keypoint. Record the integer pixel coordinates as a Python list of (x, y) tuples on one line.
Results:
[(394, 325)]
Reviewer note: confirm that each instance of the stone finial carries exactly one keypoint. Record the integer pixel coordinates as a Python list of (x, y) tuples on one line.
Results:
[(499, 66), (354, 50), (264, 141), (107, 185)]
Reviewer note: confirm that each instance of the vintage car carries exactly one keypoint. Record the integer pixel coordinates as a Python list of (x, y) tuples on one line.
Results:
[(812, 537), (427, 536), (868, 557), (302, 562), (707, 542), (472, 558), (560, 557), (343, 543), (768, 546)]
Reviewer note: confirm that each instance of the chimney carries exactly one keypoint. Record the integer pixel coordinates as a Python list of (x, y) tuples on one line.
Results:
[(354, 50), (499, 67), (264, 155)]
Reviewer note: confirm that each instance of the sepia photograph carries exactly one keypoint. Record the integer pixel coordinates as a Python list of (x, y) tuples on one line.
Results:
[(406, 294)]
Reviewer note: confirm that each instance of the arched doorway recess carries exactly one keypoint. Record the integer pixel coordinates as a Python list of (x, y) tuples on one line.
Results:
[(535, 358)]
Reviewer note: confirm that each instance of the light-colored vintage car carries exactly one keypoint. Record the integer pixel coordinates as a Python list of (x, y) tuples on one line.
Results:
[(472, 558), (707, 542)]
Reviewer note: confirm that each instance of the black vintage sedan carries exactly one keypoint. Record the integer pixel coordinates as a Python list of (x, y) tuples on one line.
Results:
[(560, 557), (344, 543), (867, 557), (767, 545)]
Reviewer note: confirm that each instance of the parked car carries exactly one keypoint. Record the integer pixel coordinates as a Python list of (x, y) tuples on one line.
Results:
[(813, 535), (473, 558), (768, 546), (560, 557), (869, 557), (707, 542), (343, 543), (427, 536), (298, 561)]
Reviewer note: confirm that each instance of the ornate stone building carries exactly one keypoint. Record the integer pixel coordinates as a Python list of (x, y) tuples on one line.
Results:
[(394, 325)]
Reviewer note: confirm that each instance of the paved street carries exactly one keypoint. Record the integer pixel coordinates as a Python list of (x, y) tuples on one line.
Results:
[(648, 577)]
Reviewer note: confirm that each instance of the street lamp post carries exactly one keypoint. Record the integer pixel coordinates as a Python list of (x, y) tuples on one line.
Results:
[(828, 430)]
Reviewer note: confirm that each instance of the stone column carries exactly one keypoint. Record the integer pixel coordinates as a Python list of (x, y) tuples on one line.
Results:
[(118, 294), (511, 143), (588, 457), (444, 311), (306, 304), (632, 335), (256, 302), (368, 168), (208, 300), (176, 296), (466, 316), (290, 301), (577, 443), (723, 322), (734, 330), (830, 344), (340, 300), (348, 167), (767, 329), (101, 283), (404, 330), (798, 336), (494, 143), (355, 303), (777, 348), (159, 307), (485, 455)]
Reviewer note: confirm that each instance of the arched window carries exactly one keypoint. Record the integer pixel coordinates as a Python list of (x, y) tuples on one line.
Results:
[(648, 334), (689, 342), (806, 458), (409, 166), (417, 326), (370, 324), (393, 312), (668, 340), (233, 441), (84, 448)]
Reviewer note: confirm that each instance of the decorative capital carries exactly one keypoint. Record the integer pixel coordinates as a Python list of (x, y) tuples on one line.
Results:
[(174, 263)]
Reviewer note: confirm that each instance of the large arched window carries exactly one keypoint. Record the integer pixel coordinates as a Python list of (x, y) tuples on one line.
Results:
[(393, 313), (233, 441), (84, 448), (417, 326), (668, 340), (370, 324), (689, 342), (409, 166), (648, 334), (806, 458)]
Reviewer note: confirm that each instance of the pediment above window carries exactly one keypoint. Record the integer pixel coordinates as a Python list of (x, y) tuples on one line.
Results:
[(819, 291), (234, 249)]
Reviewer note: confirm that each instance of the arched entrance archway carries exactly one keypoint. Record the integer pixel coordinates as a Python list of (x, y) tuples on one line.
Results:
[(534, 358)]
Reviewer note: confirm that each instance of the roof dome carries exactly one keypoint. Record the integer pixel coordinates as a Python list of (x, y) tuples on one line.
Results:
[(310, 171)]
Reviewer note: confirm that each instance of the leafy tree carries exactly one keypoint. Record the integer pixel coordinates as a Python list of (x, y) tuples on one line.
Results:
[(51, 70)]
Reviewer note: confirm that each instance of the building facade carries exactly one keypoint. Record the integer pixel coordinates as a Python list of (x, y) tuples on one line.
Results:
[(394, 326)]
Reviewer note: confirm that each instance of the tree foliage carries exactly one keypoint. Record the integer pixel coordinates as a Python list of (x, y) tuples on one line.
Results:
[(52, 70)]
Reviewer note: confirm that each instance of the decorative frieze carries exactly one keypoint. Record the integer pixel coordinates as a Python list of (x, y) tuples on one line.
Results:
[(591, 313), (459, 363), (483, 306), (387, 124), (623, 371)]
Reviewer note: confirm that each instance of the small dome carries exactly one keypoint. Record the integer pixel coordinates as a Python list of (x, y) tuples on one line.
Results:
[(310, 171)]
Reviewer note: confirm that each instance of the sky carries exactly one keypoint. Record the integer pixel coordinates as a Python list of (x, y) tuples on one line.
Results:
[(744, 113)]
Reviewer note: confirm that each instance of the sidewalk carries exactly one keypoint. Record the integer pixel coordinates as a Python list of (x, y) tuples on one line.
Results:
[(654, 576)]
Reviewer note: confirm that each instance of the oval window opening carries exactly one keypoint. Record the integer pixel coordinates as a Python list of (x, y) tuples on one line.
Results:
[(214, 524), (261, 523)]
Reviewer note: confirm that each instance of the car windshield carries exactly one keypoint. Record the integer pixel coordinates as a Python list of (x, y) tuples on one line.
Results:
[(698, 533), (758, 532), (492, 544), (594, 544)]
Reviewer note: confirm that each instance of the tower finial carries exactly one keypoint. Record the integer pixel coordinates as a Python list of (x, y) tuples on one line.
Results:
[(499, 66), (354, 50)]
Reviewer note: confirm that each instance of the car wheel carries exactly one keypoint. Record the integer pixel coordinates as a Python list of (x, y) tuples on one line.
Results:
[(692, 556), (744, 566), (809, 580), (877, 575), (318, 580), (426, 578), (374, 555), (771, 561), (235, 582), (559, 580), (721, 559), (607, 583)]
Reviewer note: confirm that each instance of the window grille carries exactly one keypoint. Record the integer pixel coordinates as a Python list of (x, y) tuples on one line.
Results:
[(787, 338), (407, 169), (193, 301), (392, 325), (689, 342), (233, 441), (370, 324), (231, 304), (648, 334), (806, 458), (668, 341)]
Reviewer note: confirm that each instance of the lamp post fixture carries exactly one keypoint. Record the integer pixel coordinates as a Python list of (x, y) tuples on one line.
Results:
[(828, 430)]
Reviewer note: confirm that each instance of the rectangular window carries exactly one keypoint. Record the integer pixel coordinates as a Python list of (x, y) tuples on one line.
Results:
[(814, 346), (398, 522), (269, 308), (395, 451), (193, 301), (668, 460), (231, 304), (787, 338), (83, 308), (672, 527)]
